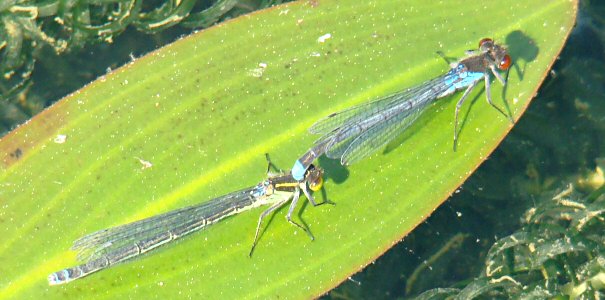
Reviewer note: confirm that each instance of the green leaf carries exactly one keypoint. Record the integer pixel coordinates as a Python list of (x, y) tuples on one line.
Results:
[(204, 110)]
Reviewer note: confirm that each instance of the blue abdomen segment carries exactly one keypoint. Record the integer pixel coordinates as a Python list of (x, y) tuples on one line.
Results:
[(298, 171), (458, 78), (60, 277), (260, 190)]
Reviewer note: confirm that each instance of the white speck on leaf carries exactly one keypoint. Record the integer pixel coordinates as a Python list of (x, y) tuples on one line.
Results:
[(258, 72), (60, 138), (323, 38), (146, 164)]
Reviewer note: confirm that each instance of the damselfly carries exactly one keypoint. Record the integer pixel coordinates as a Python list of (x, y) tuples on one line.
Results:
[(108, 247), (359, 131)]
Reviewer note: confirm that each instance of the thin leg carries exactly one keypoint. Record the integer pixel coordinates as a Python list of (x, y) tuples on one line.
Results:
[(260, 221), (503, 81), (448, 60), (271, 164), (488, 95), (458, 106), (312, 199), (470, 52), (305, 190), (495, 72), (291, 209)]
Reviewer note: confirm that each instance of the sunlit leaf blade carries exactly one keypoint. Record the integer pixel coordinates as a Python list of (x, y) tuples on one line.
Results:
[(204, 110)]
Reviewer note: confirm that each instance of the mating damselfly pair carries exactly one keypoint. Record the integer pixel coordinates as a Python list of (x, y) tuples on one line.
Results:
[(349, 135)]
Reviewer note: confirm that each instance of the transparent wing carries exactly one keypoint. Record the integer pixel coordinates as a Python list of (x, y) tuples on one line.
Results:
[(361, 135), (98, 243), (349, 115), (355, 114), (380, 135)]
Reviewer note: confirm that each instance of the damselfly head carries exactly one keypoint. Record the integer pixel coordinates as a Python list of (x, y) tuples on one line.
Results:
[(314, 178), (499, 57), (497, 54)]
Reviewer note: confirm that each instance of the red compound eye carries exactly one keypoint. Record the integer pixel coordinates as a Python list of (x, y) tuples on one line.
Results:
[(505, 63), (485, 40)]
